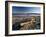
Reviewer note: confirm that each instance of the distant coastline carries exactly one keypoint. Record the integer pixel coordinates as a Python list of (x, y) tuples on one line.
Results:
[(26, 14)]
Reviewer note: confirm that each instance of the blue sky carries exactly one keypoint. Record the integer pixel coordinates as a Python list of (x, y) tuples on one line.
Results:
[(17, 9)]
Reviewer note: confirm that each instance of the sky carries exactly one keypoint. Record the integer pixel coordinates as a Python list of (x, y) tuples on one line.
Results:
[(17, 9)]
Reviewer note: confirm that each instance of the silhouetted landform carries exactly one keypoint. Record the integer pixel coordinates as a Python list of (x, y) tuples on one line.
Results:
[(27, 14)]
